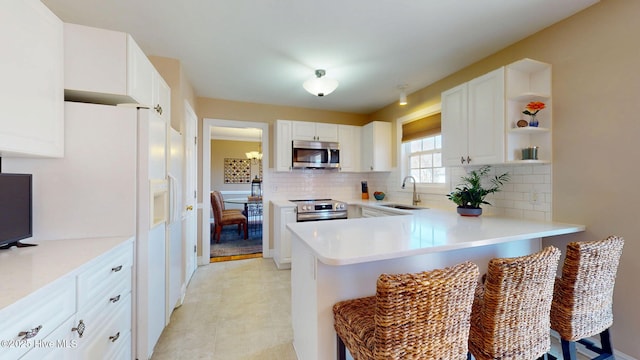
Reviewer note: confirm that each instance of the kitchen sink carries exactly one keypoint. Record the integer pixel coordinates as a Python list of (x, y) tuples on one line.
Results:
[(403, 207)]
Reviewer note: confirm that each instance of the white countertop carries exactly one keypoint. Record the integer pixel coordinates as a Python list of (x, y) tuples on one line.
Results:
[(26, 270), (353, 241)]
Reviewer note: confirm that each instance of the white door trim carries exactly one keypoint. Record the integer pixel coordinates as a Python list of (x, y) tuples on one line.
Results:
[(207, 124)]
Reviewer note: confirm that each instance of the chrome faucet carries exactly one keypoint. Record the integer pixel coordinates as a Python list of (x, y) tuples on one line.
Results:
[(416, 197)]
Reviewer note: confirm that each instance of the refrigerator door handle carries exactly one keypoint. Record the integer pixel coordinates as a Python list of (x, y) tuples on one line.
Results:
[(174, 207)]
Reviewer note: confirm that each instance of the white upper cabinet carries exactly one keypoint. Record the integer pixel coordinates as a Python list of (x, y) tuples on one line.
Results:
[(105, 67), (161, 99), (140, 74), (311, 131), (31, 89), (526, 81), (376, 147), (473, 121), (349, 139), (283, 145), (454, 125)]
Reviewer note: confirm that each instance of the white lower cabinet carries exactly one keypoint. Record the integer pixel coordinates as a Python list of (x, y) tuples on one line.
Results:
[(34, 321), (103, 317), (283, 215), (58, 345), (106, 333), (86, 314)]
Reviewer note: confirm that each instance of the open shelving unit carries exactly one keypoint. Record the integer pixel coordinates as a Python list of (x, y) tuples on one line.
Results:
[(528, 80)]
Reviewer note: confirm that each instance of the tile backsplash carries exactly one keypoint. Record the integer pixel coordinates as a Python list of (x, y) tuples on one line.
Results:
[(527, 195)]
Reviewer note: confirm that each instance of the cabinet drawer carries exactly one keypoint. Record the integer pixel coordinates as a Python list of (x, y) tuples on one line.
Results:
[(112, 269), (99, 310), (57, 346), (109, 335), (122, 351), (45, 309)]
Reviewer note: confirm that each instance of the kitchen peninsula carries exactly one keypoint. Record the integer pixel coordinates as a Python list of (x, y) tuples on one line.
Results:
[(342, 259)]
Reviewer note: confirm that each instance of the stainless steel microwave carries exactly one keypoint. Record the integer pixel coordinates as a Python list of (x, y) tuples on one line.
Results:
[(315, 154)]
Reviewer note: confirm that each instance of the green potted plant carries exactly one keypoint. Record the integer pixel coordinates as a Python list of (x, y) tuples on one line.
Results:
[(470, 194)]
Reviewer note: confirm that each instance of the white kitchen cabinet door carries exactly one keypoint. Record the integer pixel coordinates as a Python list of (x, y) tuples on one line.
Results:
[(302, 130), (326, 132), (32, 73), (282, 235), (161, 100), (349, 139), (283, 145), (376, 147), (473, 121), (486, 118), (105, 67), (140, 74), (311, 131), (454, 126)]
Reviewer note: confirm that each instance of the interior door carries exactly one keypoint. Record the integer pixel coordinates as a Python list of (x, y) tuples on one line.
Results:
[(190, 186)]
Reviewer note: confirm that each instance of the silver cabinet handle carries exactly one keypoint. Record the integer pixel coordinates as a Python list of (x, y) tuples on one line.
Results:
[(468, 160), (461, 159), (30, 333), (117, 268), (80, 328), (115, 299), (115, 337)]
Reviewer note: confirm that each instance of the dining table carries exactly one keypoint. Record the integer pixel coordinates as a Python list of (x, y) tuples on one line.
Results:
[(252, 208)]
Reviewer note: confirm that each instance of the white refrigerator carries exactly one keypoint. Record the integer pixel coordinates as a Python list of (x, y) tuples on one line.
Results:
[(112, 181), (176, 216)]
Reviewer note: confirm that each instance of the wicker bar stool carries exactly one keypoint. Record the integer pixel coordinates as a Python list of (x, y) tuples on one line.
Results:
[(510, 315), (412, 316), (583, 297)]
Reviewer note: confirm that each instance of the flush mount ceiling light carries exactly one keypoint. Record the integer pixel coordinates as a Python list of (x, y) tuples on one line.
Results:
[(320, 85), (403, 94)]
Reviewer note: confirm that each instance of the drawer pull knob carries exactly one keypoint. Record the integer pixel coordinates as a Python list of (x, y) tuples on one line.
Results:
[(117, 268), (115, 337), (80, 328), (115, 299), (31, 333)]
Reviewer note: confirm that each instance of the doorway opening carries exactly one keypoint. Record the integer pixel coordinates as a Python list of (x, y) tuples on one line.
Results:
[(235, 160)]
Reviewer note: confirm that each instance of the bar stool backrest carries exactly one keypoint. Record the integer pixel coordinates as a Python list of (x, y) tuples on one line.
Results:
[(583, 297)]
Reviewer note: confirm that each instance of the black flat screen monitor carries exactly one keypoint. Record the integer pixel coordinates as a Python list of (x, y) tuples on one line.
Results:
[(16, 203)]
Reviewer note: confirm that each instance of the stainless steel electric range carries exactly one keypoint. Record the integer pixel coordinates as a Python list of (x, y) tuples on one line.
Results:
[(320, 209)]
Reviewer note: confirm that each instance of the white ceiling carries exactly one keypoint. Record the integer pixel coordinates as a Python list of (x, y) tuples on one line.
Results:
[(263, 50)]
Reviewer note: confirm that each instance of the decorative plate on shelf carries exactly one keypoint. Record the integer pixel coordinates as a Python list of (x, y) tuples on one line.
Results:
[(522, 123)]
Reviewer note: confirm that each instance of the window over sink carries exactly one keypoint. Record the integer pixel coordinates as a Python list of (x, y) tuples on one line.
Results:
[(424, 158), (420, 149)]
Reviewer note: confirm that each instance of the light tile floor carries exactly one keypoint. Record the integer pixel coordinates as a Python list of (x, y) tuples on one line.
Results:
[(236, 310), (232, 310)]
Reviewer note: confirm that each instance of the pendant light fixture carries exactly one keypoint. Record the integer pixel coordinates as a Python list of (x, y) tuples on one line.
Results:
[(403, 94), (320, 85)]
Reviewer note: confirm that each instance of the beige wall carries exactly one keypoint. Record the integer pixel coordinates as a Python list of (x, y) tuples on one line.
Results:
[(596, 86), (222, 149)]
